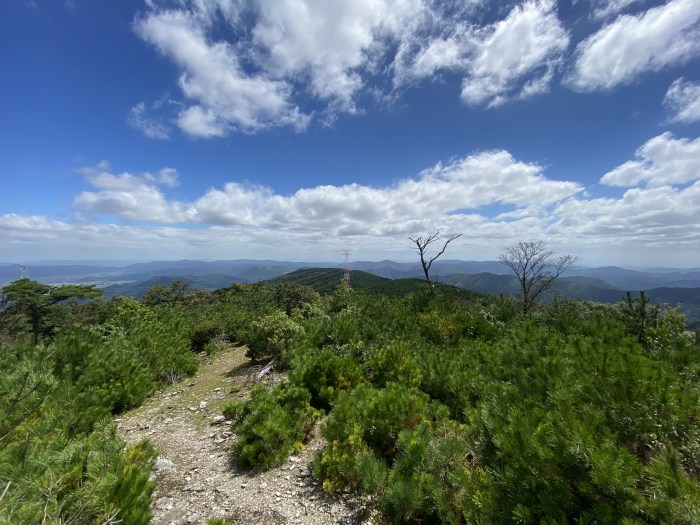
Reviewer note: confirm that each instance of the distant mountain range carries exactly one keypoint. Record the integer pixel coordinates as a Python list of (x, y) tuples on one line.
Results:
[(604, 284), (251, 270)]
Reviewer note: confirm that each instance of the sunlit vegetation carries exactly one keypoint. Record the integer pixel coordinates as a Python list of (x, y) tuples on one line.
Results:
[(437, 404), (443, 409)]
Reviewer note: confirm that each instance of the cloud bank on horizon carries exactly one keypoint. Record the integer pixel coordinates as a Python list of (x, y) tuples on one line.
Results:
[(288, 67), (658, 209)]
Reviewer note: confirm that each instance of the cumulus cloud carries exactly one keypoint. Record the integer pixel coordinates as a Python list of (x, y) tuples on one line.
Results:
[(127, 213), (643, 217), (515, 57), (331, 43), (527, 44), (224, 97), (658, 210), (662, 160), (683, 98), (130, 197), (460, 187), (280, 63), (632, 45)]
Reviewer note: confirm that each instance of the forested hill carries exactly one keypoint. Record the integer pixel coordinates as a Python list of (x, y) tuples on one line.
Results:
[(325, 280)]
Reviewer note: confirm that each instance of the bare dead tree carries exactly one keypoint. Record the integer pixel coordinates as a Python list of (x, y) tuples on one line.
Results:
[(422, 244), (535, 267)]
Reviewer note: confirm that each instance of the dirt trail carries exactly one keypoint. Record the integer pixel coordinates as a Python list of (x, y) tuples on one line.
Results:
[(194, 477)]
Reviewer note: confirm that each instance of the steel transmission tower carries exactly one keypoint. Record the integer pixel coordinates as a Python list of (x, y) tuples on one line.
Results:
[(347, 254)]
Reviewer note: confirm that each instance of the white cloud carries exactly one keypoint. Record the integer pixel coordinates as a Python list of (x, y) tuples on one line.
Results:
[(512, 58), (150, 127), (646, 218), (662, 160), (630, 46), (461, 187), (284, 62), (319, 218), (224, 97), (527, 44), (333, 43), (129, 215), (683, 98), (130, 197), (603, 9), (655, 219)]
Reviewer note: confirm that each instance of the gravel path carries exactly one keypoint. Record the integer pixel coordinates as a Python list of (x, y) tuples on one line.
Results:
[(194, 477)]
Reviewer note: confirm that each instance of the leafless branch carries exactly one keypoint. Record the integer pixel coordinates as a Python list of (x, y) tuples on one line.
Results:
[(422, 244), (535, 267)]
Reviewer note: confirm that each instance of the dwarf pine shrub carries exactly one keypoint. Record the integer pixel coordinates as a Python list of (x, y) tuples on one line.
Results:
[(325, 374), (272, 424), (271, 336), (366, 421)]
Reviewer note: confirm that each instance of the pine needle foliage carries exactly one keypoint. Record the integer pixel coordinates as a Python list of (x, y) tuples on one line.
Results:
[(446, 410), (61, 460), (272, 424)]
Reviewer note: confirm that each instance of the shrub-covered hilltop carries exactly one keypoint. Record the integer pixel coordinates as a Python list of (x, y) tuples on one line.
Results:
[(439, 405), (450, 407)]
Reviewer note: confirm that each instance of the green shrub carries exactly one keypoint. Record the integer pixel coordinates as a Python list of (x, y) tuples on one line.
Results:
[(101, 374), (437, 478), (233, 409), (291, 296), (365, 421), (272, 424), (271, 335), (220, 521), (325, 375), (203, 333), (84, 479), (395, 362)]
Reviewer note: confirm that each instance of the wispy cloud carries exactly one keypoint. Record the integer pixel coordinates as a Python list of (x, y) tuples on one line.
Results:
[(603, 9), (150, 127), (683, 99)]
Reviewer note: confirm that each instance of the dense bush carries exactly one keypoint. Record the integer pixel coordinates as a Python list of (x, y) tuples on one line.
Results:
[(448, 410), (61, 460), (272, 424), (55, 473), (271, 336), (442, 408), (363, 428), (325, 375)]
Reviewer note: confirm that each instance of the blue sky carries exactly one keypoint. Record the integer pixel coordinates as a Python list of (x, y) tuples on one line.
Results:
[(296, 129)]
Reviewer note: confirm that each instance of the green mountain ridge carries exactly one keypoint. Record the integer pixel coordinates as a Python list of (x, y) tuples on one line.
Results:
[(326, 280)]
